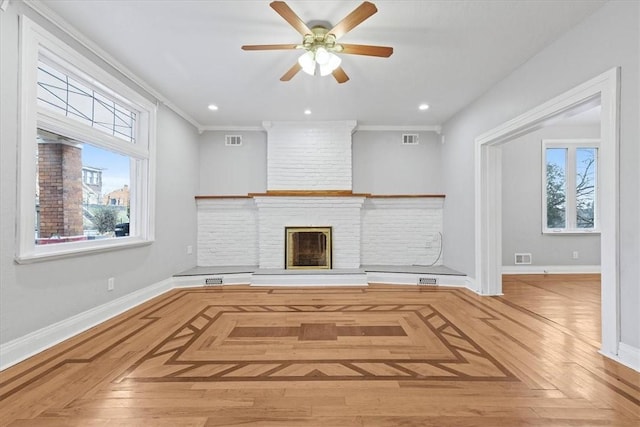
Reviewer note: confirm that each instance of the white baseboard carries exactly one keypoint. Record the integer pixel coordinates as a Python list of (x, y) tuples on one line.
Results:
[(309, 280), (200, 280), (413, 278), (628, 356), (470, 283), (550, 269), (28, 345)]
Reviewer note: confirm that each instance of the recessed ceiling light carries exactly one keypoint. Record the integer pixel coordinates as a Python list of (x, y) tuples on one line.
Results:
[(423, 107), (307, 112), (212, 107)]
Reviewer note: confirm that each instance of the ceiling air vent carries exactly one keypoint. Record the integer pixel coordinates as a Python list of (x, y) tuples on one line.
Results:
[(522, 259), (233, 140), (410, 139)]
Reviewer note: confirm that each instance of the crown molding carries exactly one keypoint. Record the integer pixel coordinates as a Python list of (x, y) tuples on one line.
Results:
[(349, 124), (267, 124), (399, 128), (232, 128)]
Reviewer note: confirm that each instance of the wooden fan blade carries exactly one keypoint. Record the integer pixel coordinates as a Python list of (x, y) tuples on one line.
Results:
[(340, 75), (290, 16), (363, 49), (269, 46), (292, 72), (355, 18)]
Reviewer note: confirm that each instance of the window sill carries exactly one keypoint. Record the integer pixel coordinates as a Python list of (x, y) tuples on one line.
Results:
[(570, 232), (51, 252)]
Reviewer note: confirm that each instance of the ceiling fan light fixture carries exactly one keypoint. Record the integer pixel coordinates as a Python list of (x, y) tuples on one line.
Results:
[(320, 42), (322, 56), (331, 65), (308, 63)]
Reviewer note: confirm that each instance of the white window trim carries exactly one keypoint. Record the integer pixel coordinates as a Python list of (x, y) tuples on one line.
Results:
[(36, 42), (570, 201)]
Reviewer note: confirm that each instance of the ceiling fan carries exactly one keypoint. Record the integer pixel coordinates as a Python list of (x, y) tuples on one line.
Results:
[(321, 43)]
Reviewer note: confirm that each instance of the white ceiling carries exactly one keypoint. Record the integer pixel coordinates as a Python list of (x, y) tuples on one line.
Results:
[(446, 54)]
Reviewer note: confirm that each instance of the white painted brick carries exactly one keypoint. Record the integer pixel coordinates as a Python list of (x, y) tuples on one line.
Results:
[(309, 156), (372, 231), (227, 232), (341, 213), (396, 231)]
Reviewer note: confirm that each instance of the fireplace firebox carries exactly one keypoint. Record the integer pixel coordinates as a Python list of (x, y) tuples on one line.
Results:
[(307, 248)]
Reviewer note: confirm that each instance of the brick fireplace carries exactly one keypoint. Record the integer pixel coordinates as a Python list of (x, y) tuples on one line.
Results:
[(309, 184)]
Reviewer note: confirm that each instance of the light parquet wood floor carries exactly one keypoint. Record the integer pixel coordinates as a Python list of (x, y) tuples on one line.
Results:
[(379, 356)]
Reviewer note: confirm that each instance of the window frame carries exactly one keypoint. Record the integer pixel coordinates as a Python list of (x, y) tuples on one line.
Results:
[(36, 44), (571, 145)]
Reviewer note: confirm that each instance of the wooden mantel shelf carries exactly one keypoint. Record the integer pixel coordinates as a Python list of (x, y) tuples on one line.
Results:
[(309, 193), (223, 197), (320, 193), (404, 196)]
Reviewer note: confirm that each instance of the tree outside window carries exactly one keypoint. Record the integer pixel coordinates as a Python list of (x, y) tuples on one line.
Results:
[(570, 175)]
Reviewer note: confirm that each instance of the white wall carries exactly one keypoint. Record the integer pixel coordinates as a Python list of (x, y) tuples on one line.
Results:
[(382, 165), (522, 199), (233, 170), (607, 39), (36, 295)]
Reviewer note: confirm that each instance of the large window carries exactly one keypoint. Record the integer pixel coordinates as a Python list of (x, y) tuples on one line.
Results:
[(570, 196), (86, 154)]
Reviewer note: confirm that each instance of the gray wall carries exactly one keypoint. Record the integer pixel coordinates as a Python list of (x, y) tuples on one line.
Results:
[(522, 199), (382, 165), (36, 295), (607, 39), (234, 170)]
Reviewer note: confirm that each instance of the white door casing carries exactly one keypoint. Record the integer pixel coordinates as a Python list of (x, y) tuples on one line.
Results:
[(605, 90)]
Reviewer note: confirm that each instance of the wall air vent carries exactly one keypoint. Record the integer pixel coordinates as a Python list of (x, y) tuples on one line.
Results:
[(522, 259), (233, 140), (410, 139), (427, 281), (213, 281)]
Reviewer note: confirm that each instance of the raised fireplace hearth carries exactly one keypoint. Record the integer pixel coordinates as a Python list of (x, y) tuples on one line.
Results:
[(307, 248)]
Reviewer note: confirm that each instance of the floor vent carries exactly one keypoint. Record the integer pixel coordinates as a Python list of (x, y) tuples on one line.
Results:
[(427, 281), (522, 259), (213, 281), (233, 140), (410, 139)]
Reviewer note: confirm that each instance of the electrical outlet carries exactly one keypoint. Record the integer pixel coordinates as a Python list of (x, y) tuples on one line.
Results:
[(189, 250), (111, 284), (575, 254)]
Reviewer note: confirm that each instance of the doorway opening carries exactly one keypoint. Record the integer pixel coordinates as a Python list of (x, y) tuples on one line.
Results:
[(603, 89)]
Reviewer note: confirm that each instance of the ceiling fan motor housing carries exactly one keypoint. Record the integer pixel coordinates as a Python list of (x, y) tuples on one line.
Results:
[(320, 37)]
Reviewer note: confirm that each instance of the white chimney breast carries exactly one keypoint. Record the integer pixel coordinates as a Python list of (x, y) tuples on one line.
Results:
[(309, 155)]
